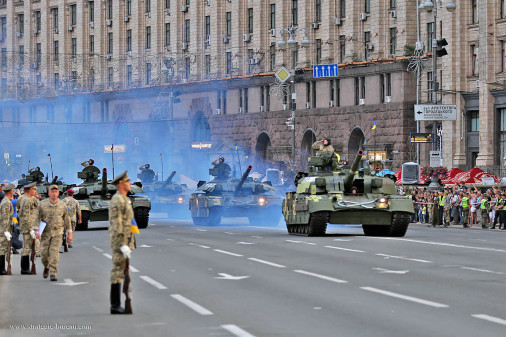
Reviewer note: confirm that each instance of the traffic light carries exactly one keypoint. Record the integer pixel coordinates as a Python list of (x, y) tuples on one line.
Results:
[(441, 51)]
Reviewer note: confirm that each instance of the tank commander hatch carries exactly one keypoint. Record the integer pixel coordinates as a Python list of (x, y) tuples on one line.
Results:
[(323, 146), (37, 175), (223, 170), (147, 175), (90, 168)]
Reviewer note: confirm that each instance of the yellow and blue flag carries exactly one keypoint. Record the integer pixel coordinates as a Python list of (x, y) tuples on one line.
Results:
[(134, 227), (49, 155), (373, 126), (160, 155)]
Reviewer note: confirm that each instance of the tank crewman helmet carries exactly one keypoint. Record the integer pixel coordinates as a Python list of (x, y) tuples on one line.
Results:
[(121, 178), (147, 166), (222, 159), (328, 140), (91, 161)]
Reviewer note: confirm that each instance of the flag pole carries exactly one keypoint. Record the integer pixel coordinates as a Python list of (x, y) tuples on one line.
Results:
[(161, 160), (51, 162), (112, 159)]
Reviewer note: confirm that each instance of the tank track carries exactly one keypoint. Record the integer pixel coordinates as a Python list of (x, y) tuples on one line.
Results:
[(141, 217), (317, 225), (398, 228)]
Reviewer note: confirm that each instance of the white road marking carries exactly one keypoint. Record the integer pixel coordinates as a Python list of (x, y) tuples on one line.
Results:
[(404, 297), (169, 239), (201, 246), (145, 246), (269, 228), (403, 258), (69, 282), (441, 244), (347, 249), (230, 233), (346, 240), (201, 230), (235, 330), (107, 256), (387, 271), (483, 270), (267, 262), (244, 243), (133, 269), (306, 243), (230, 277), (192, 305), (98, 249), (154, 283), (256, 237), (228, 253), (490, 318), (323, 277)]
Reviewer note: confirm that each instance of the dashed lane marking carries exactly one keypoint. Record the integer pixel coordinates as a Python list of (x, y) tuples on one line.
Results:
[(228, 253), (306, 243), (403, 258), (108, 256), (267, 262), (192, 305), (201, 230), (490, 318), (256, 237), (154, 283), (483, 270), (404, 297), (201, 246), (235, 330), (323, 277), (98, 249), (346, 249), (441, 244)]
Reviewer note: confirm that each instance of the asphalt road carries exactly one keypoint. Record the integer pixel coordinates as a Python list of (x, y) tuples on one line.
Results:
[(242, 280)]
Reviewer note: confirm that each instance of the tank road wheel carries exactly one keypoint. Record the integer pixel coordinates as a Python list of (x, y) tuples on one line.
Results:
[(318, 224), (400, 223), (85, 217), (141, 215)]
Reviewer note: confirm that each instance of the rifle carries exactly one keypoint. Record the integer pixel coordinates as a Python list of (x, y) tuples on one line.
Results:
[(126, 288), (65, 246), (32, 258), (9, 251)]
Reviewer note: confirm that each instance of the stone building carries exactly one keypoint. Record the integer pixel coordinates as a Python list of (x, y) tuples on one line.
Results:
[(159, 76)]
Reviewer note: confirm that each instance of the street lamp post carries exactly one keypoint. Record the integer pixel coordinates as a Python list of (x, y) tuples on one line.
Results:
[(292, 34)]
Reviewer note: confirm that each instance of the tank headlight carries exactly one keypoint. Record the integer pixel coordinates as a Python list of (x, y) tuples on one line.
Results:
[(262, 201), (180, 200), (382, 203)]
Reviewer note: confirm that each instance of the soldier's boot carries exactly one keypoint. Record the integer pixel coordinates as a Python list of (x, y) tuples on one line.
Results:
[(2, 265), (25, 265), (116, 299), (46, 273)]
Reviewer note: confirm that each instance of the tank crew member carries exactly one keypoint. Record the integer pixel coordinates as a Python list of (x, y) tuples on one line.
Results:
[(323, 146), (38, 176), (121, 237), (90, 168), (54, 213), (74, 212), (147, 175), (27, 206), (6, 212), (222, 168)]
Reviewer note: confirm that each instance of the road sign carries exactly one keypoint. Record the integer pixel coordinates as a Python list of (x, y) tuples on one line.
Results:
[(120, 148), (282, 74), (416, 137), (201, 145), (325, 70), (436, 112)]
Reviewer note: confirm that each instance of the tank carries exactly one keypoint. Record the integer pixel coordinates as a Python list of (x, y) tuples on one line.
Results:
[(42, 184), (94, 197), (233, 197), (331, 193), (167, 196)]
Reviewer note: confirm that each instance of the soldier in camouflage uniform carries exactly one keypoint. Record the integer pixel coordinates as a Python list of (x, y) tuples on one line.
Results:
[(54, 213), (74, 212), (6, 212), (323, 146), (27, 205), (121, 237)]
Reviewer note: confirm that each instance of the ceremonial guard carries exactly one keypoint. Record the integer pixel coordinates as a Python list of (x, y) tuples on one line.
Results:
[(27, 207), (6, 212)]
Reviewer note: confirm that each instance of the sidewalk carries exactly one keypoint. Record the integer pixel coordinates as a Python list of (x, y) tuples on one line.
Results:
[(475, 227)]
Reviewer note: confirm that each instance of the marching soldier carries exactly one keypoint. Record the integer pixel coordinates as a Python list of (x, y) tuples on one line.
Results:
[(6, 212), (122, 239), (323, 146), (74, 212), (27, 206), (54, 213)]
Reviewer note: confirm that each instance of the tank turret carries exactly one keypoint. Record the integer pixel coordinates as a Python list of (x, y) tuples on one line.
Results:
[(243, 178), (169, 179), (348, 180)]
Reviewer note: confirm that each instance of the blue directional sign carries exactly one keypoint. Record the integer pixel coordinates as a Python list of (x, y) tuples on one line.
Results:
[(325, 70)]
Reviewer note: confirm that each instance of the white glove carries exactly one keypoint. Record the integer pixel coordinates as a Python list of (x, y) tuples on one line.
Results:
[(8, 235), (32, 234), (126, 251)]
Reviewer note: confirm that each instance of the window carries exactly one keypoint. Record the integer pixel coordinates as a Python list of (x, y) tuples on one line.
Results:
[(246, 100), (318, 51), (430, 35), (73, 15), (338, 92), (474, 121), (187, 2), (21, 23), (367, 40), (295, 58), (37, 20), (382, 88), (110, 77), (362, 87), (342, 9), (148, 73), (21, 55), (129, 40), (332, 90), (250, 20), (207, 34), (474, 60), (92, 78), (92, 44), (429, 86), (4, 57), (313, 94), (167, 34), (367, 6), (272, 54), (474, 11), (503, 8), (56, 51), (148, 37), (3, 24), (295, 12), (357, 91), (503, 56), (129, 7), (208, 65), (393, 40), (240, 98), (393, 4), (318, 9), (187, 68), (74, 48), (262, 96), (389, 84), (38, 54), (56, 80), (229, 23), (129, 75), (110, 46), (167, 3), (187, 30), (250, 57), (109, 9), (91, 6), (228, 62), (148, 6), (342, 48), (273, 16), (308, 92), (55, 17)]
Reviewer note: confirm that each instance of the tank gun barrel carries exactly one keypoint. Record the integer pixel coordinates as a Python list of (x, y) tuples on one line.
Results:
[(243, 178), (348, 180), (104, 181), (169, 179)]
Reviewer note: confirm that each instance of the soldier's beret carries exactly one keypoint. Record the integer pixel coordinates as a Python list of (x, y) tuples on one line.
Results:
[(8, 188), (53, 187), (29, 186), (121, 178), (70, 191)]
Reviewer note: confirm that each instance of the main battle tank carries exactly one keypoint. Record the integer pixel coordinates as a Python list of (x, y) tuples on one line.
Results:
[(338, 194), (168, 196), (232, 197), (42, 184), (95, 195)]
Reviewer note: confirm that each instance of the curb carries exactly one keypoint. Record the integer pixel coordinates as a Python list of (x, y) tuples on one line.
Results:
[(475, 227)]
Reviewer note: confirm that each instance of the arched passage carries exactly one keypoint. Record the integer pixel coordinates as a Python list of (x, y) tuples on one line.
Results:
[(356, 142), (198, 159), (262, 151), (306, 149)]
